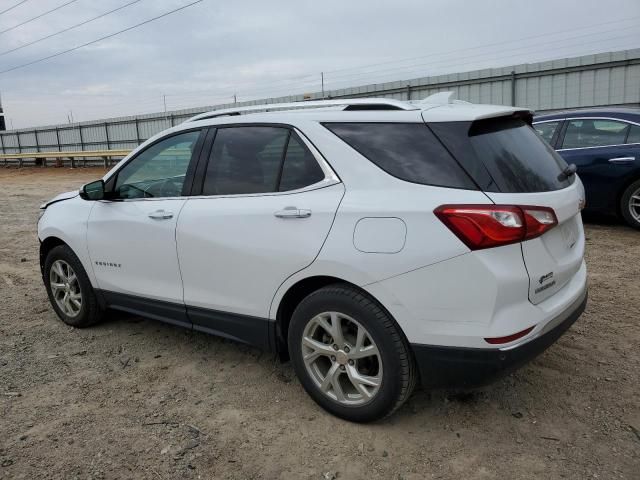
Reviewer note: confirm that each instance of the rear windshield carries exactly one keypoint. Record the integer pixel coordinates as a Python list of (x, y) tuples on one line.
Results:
[(504, 155), (408, 151)]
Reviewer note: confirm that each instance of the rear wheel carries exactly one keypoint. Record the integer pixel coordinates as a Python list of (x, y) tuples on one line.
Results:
[(350, 355), (630, 204), (69, 289)]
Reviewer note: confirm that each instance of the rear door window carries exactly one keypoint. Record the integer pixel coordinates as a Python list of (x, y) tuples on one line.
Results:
[(245, 160), (259, 159), (546, 130), (589, 132), (504, 155), (408, 151)]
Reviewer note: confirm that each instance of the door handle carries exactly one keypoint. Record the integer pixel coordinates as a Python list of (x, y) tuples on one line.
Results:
[(622, 159), (293, 212), (161, 215)]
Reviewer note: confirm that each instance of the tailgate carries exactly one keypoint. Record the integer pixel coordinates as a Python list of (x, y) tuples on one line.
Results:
[(512, 165), (555, 257)]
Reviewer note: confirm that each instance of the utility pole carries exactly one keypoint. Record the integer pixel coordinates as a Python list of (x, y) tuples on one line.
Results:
[(164, 100), (235, 98), (322, 81)]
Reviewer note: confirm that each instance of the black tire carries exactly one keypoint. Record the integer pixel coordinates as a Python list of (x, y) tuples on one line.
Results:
[(398, 372), (625, 204), (90, 311)]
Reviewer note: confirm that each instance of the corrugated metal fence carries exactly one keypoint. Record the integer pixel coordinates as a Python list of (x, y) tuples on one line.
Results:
[(592, 80)]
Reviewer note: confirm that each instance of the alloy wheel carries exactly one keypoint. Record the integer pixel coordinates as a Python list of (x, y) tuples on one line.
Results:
[(342, 358), (65, 288), (634, 205)]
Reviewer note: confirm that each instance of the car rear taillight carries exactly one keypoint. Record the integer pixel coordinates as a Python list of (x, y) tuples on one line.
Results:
[(486, 226)]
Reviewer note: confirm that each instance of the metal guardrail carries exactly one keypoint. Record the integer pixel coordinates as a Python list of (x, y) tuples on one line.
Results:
[(40, 158)]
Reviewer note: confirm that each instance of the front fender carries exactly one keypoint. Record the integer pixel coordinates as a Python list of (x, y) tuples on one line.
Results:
[(68, 221)]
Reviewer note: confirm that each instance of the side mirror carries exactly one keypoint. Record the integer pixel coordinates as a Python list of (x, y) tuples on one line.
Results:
[(93, 190)]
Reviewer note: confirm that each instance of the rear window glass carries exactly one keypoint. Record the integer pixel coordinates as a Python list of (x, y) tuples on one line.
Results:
[(514, 156), (408, 151)]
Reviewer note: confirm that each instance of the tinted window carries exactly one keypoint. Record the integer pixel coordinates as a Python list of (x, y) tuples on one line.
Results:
[(634, 134), (408, 151), (507, 151), (245, 160), (300, 168), (593, 133), (546, 130), (160, 170)]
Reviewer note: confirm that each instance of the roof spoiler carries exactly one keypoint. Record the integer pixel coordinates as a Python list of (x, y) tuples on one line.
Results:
[(494, 123), (440, 98)]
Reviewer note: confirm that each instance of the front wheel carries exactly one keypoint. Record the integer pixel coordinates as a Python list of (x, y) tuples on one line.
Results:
[(630, 204), (69, 289), (350, 355)]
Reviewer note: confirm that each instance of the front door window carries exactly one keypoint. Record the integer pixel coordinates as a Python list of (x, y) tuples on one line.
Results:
[(159, 171)]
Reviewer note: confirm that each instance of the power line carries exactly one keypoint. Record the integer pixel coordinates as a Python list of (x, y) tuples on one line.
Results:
[(536, 44), (140, 106), (100, 39), (211, 97), (37, 17), (290, 85), (334, 83), (297, 88), (292, 82), (68, 28), (344, 83), (400, 67), (473, 56), (16, 5), (378, 72), (208, 96), (375, 77), (314, 78), (487, 45)]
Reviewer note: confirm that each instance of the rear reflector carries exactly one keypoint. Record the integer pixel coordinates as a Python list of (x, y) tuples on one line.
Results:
[(508, 338), (486, 226)]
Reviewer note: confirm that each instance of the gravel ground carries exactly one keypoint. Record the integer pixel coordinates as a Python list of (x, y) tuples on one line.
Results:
[(131, 398)]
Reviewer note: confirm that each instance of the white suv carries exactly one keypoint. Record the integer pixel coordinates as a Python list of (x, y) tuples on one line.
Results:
[(369, 241)]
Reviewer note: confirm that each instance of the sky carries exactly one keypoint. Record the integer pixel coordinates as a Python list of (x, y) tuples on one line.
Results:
[(215, 49)]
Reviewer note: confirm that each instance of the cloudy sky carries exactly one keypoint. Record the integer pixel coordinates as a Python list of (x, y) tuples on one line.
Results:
[(208, 52)]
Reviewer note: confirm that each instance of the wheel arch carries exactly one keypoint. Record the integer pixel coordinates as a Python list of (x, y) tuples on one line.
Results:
[(298, 292), (46, 246)]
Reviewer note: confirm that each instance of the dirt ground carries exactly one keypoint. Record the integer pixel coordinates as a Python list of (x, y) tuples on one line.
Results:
[(131, 398)]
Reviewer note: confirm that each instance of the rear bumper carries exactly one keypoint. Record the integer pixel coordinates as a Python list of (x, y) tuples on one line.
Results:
[(470, 367)]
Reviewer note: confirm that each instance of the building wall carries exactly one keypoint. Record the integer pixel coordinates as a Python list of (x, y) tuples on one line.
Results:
[(604, 79)]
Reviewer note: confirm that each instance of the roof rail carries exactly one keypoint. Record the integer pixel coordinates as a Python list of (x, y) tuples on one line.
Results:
[(349, 104)]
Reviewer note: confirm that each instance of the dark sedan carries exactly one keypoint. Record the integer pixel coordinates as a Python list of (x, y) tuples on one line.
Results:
[(605, 146)]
